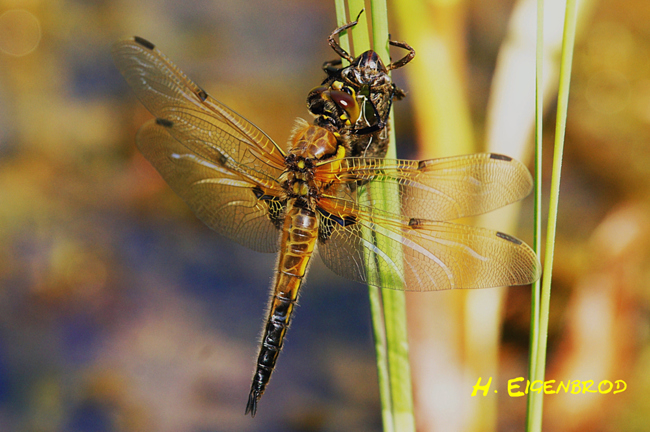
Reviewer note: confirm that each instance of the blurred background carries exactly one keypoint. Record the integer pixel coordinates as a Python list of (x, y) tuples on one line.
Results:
[(120, 311)]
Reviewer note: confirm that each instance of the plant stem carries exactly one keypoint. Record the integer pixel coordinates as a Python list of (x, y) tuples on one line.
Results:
[(394, 301), (387, 306), (531, 413), (568, 41)]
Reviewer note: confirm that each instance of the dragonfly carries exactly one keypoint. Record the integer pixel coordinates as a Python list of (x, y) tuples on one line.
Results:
[(356, 100), (310, 196)]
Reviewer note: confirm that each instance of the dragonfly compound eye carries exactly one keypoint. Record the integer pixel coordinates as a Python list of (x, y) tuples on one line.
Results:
[(348, 102)]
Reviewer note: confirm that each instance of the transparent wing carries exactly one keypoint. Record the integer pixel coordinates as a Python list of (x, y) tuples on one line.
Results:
[(165, 91), (438, 189), (386, 251), (238, 206)]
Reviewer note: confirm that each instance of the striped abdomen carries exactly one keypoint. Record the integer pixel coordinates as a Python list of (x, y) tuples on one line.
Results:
[(299, 235)]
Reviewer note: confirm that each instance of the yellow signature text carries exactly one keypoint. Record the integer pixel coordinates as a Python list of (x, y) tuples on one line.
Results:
[(517, 388)]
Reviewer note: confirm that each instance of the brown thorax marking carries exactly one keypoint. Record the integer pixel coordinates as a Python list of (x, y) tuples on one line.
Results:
[(312, 142), (308, 145)]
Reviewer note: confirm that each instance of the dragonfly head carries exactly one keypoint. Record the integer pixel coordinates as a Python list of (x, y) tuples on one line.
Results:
[(336, 106)]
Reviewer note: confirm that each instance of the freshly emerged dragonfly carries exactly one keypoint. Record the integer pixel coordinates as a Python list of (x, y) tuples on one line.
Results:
[(243, 185), (356, 99)]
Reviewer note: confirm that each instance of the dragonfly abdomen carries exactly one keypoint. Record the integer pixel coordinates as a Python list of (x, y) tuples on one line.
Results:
[(299, 235)]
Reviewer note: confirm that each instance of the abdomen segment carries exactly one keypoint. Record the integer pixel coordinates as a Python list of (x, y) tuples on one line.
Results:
[(299, 235)]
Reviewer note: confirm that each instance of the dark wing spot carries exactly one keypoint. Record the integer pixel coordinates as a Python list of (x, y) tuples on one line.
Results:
[(328, 221), (275, 205), (509, 238), (145, 43), (325, 229), (416, 223), (276, 210), (222, 159), (259, 193), (164, 122), (218, 157), (202, 95), (343, 221), (423, 164), (500, 157)]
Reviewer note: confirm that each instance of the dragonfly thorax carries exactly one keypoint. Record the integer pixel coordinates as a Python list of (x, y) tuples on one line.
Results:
[(308, 146), (312, 142)]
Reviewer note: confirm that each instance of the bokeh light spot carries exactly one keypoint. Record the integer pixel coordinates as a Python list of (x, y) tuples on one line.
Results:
[(20, 32)]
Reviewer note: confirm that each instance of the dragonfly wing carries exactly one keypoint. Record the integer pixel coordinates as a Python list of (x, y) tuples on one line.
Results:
[(225, 200), (416, 255), (438, 189), (165, 91)]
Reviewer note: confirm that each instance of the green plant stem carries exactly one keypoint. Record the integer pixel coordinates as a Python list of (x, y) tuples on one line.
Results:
[(341, 19), (568, 42), (374, 294), (531, 415), (394, 301), (388, 307), (360, 35)]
